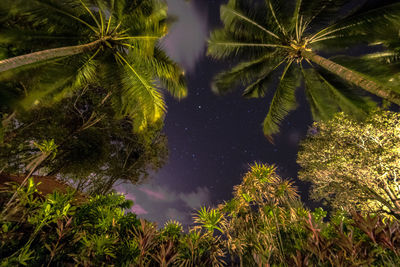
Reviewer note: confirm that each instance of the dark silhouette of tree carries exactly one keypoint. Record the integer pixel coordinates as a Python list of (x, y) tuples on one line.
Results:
[(94, 149)]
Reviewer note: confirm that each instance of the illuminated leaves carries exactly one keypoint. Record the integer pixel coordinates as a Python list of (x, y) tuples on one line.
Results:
[(355, 162)]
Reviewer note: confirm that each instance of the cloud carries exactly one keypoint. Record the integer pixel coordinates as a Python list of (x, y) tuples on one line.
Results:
[(186, 40), (139, 210), (183, 217), (159, 204), (128, 196), (196, 199), (156, 195)]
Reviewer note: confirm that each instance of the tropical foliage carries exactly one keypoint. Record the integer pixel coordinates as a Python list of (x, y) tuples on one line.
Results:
[(281, 44), (71, 44), (59, 230), (355, 163), (265, 224), (95, 69)]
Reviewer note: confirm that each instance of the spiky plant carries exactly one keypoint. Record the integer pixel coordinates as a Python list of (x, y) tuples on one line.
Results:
[(172, 230), (261, 218), (279, 44), (199, 248), (56, 47), (209, 218)]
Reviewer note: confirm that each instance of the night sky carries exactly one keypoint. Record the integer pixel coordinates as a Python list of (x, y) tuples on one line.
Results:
[(212, 139)]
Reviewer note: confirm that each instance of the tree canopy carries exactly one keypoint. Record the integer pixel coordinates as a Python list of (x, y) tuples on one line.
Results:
[(355, 164), (94, 149)]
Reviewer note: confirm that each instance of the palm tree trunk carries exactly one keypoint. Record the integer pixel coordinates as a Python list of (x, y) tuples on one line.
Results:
[(18, 61), (353, 77)]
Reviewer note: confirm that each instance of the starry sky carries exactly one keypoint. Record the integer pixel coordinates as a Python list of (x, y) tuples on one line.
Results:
[(212, 139)]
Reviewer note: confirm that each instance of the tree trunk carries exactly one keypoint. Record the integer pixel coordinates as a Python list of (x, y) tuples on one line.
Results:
[(18, 61), (353, 77)]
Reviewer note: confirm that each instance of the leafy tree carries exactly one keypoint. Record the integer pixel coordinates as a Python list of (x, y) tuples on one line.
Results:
[(279, 44), (94, 149), (70, 44), (355, 164)]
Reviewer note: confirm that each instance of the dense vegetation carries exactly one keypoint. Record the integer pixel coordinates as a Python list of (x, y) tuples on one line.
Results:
[(95, 69), (264, 223)]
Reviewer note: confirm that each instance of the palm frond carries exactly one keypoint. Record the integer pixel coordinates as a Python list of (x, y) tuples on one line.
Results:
[(170, 74), (349, 99), (143, 21), (327, 96), (259, 87), (87, 8), (318, 96), (141, 99), (243, 73), (72, 74), (387, 57), (368, 26), (322, 12), (61, 12), (277, 21), (278, 13), (223, 45), (236, 19), (283, 102)]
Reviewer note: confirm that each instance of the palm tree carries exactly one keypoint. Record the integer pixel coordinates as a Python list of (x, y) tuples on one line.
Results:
[(70, 44), (279, 44)]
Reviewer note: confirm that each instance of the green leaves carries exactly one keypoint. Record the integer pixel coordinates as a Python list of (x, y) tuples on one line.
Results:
[(264, 36), (338, 150), (47, 147), (370, 26), (139, 94), (100, 232), (236, 20), (211, 219), (242, 74), (283, 102), (125, 56), (326, 96)]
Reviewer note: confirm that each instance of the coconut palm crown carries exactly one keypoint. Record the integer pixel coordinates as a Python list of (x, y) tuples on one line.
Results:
[(56, 47), (280, 44)]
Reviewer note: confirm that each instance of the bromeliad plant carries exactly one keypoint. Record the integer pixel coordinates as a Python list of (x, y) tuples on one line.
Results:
[(279, 44), (70, 44)]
